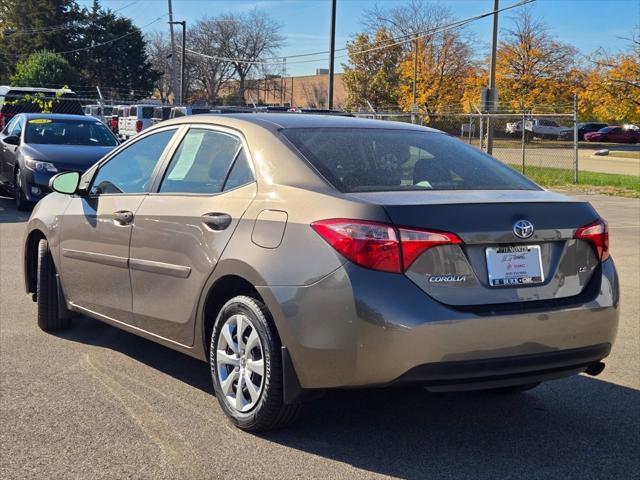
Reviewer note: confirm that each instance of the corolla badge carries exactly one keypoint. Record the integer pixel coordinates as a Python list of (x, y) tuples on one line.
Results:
[(523, 229), (447, 278)]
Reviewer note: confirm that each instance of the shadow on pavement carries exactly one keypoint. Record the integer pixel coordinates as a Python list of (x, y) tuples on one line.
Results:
[(579, 427), (573, 428), (178, 365), (8, 212)]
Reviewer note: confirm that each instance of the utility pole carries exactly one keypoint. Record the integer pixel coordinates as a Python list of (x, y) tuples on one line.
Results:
[(332, 52), (174, 83), (492, 77), (575, 139), (415, 79), (183, 24), (282, 75)]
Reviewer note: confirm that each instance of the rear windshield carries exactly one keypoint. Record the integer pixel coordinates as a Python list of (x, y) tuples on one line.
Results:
[(68, 132), (147, 112), (366, 159)]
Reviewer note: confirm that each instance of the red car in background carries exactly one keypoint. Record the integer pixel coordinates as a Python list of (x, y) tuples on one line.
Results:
[(614, 135)]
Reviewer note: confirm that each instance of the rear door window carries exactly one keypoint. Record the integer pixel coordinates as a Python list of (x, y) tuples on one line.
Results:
[(377, 159), (201, 162), (240, 174)]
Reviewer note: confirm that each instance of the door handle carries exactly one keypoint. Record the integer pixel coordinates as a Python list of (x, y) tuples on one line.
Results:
[(216, 221), (123, 217)]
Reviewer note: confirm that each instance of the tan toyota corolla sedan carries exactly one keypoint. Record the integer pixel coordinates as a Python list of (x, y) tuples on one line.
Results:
[(297, 253)]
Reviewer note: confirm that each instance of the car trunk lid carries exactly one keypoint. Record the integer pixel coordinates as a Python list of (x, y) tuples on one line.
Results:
[(550, 264)]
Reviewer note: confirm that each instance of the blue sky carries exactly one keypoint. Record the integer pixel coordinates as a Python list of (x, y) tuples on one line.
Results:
[(586, 24)]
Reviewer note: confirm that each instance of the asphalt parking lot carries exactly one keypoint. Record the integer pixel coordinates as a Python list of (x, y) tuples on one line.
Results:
[(96, 402)]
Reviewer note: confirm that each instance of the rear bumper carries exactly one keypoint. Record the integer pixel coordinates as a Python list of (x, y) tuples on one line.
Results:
[(358, 327), (504, 371)]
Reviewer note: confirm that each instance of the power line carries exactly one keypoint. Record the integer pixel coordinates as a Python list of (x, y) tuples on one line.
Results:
[(62, 26), (108, 42), (396, 41)]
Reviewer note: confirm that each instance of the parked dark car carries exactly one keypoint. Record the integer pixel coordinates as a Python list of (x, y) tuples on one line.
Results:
[(34, 147), (583, 128), (14, 100), (613, 135)]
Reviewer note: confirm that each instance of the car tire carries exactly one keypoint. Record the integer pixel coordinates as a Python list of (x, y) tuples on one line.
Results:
[(514, 389), (268, 411), (18, 194), (49, 317)]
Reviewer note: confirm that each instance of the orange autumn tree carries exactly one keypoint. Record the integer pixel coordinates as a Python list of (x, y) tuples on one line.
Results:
[(534, 68), (445, 62), (612, 86)]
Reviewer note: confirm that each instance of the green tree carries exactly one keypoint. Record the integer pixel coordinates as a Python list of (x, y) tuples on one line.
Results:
[(44, 68), (29, 26), (121, 67), (372, 75)]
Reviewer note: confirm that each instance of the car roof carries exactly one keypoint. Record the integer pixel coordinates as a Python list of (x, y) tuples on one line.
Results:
[(59, 116), (277, 121)]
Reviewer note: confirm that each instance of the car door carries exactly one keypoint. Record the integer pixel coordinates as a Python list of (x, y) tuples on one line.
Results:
[(616, 135), (182, 229), (10, 152), (543, 128), (5, 156), (96, 228)]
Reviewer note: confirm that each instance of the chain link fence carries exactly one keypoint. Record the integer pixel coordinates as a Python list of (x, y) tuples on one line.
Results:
[(535, 142), (544, 149)]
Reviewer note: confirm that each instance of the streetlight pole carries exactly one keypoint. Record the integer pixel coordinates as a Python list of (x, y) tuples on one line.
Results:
[(492, 77), (332, 51), (415, 79), (174, 84), (183, 24)]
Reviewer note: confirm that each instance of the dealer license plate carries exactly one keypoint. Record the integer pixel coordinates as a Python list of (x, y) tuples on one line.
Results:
[(514, 265)]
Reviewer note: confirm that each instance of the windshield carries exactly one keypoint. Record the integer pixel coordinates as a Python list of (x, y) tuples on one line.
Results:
[(68, 132), (374, 159)]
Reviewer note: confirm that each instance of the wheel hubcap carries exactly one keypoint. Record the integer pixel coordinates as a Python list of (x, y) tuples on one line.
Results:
[(240, 363)]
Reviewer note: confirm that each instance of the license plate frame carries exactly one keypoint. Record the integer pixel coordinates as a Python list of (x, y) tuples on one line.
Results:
[(503, 272)]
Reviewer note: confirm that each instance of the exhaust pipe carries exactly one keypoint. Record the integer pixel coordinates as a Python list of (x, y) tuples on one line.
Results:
[(595, 369)]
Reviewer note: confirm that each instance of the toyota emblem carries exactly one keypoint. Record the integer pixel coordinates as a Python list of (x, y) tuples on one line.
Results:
[(523, 229)]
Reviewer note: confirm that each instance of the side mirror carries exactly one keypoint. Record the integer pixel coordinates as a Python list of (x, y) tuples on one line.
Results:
[(12, 140), (66, 182)]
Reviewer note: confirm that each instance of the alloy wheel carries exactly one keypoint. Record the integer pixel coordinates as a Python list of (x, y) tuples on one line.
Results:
[(240, 363)]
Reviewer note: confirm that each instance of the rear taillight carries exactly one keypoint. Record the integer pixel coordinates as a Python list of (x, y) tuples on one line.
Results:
[(379, 246), (415, 242), (138, 126), (1, 121), (368, 244), (598, 234)]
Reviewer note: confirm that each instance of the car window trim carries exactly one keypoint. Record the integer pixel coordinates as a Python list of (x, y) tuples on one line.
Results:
[(126, 145), (155, 187)]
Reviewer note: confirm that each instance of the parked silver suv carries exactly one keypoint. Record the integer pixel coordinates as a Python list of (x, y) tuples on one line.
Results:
[(297, 253)]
